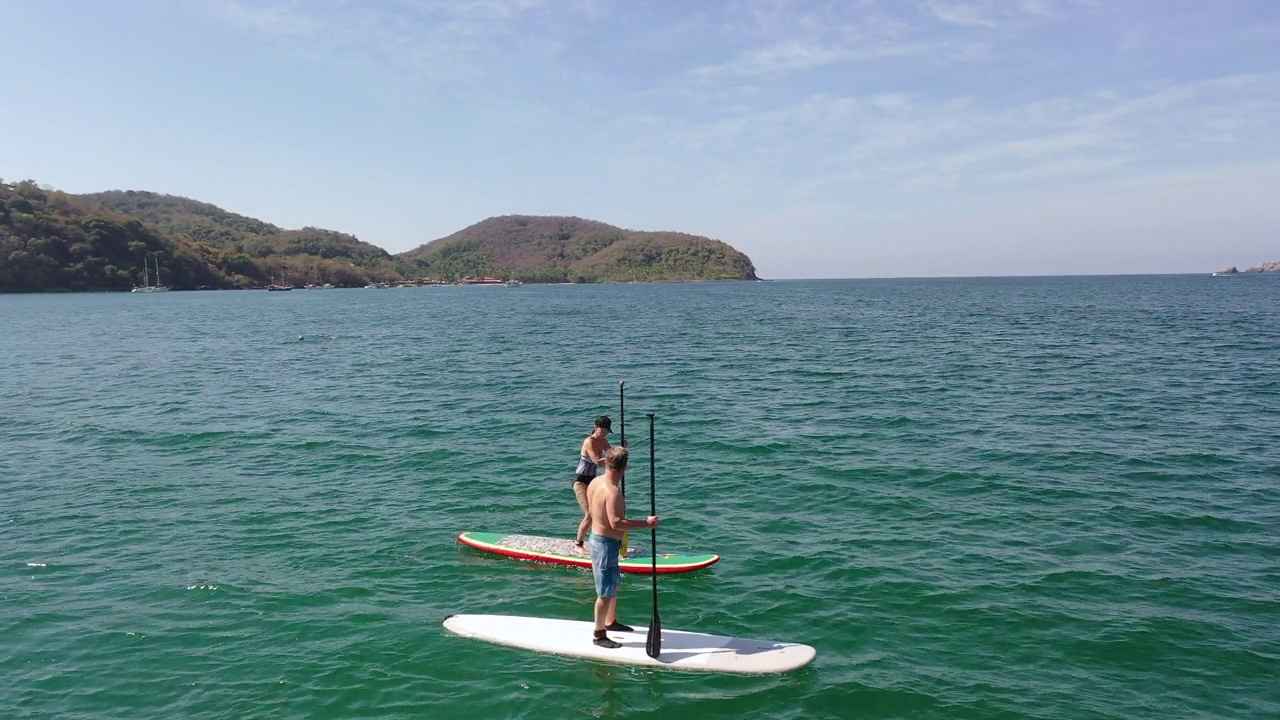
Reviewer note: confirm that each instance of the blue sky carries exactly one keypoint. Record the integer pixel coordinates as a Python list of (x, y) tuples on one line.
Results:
[(859, 138)]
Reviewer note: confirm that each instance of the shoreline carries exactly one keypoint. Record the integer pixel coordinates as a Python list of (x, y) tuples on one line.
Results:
[(126, 291)]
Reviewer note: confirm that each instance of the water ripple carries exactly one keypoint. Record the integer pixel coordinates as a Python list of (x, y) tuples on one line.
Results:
[(1005, 498)]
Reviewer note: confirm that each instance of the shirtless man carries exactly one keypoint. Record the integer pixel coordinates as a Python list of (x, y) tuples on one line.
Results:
[(608, 511)]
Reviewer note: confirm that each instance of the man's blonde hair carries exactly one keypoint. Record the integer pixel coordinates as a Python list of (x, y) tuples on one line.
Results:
[(616, 459)]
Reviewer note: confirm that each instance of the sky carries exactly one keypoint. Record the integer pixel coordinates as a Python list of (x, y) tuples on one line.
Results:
[(825, 139)]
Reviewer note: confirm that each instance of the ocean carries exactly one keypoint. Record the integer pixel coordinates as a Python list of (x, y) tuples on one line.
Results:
[(976, 498)]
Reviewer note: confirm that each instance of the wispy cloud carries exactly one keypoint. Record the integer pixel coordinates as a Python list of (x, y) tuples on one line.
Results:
[(434, 39), (988, 14), (961, 13), (780, 43), (833, 145), (778, 92), (1071, 135), (1066, 167), (794, 55), (280, 19), (1041, 8)]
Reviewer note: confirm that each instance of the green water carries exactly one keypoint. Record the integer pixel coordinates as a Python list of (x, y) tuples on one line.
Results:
[(1001, 498)]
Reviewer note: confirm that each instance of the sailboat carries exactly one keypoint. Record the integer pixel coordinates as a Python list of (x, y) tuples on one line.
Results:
[(278, 287), (146, 286)]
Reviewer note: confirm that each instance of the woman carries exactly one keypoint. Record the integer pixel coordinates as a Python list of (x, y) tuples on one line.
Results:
[(594, 447)]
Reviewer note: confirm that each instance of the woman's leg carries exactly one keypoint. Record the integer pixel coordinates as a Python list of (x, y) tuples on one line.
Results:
[(580, 491)]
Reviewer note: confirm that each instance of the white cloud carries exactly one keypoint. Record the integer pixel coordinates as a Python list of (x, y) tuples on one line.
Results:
[(1066, 167), (831, 145), (280, 19), (960, 13), (784, 57), (439, 40)]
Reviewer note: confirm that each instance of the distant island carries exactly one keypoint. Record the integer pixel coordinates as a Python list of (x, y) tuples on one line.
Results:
[(56, 241), (1270, 267), (570, 249)]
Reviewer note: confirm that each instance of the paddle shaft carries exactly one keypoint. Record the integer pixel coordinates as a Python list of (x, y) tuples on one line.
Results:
[(622, 427), (653, 643), (622, 440)]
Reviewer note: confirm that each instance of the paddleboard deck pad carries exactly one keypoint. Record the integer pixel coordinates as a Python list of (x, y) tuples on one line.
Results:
[(562, 551), (681, 650)]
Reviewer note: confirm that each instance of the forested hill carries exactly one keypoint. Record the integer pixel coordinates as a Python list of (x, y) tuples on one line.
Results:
[(51, 240), (570, 249), (220, 228)]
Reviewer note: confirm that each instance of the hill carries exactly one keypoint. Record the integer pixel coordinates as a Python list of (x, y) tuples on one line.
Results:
[(51, 240), (298, 255), (570, 249)]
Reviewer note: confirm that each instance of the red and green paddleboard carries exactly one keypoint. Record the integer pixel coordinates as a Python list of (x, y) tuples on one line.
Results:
[(562, 551)]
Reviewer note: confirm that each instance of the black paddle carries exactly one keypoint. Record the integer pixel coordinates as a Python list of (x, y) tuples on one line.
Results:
[(653, 643), (622, 427)]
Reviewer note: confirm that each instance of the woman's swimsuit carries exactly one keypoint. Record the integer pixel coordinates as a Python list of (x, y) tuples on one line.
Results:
[(586, 470)]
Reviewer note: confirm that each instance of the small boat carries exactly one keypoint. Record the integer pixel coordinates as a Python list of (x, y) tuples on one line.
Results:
[(146, 286)]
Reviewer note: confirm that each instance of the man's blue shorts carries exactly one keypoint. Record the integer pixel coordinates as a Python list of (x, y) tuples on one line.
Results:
[(604, 564)]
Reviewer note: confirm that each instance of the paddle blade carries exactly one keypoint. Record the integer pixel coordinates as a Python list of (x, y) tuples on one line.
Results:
[(653, 643)]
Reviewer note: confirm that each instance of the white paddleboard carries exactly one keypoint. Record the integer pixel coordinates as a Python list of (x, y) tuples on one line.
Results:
[(681, 650)]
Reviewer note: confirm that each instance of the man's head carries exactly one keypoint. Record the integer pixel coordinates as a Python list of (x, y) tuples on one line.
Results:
[(616, 459), (604, 423)]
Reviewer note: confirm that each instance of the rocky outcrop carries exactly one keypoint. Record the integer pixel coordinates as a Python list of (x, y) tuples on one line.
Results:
[(1265, 268), (1228, 270)]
